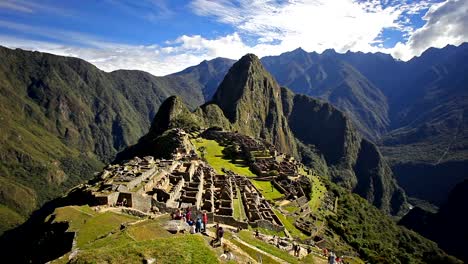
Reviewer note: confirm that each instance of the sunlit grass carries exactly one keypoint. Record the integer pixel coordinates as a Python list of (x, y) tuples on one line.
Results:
[(267, 189), (214, 156)]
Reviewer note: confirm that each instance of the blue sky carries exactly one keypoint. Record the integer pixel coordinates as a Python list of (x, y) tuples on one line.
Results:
[(164, 36)]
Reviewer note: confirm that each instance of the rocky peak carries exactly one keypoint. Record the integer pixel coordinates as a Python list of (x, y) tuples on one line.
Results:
[(173, 108), (251, 99)]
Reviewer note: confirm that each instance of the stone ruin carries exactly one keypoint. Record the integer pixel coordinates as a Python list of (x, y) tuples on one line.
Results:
[(185, 181)]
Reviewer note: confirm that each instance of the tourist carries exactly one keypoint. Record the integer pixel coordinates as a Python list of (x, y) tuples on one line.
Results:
[(220, 235), (205, 220), (298, 250), (188, 214), (256, 233), (192, 229), (227, 255), (198, 224), (217, 229), (124, 203), (190, 222), (331, 258), (294, 248)]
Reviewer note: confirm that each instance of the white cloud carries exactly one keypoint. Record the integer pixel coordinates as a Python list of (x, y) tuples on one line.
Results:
[(185, 51), (315, 25), (446, 23)]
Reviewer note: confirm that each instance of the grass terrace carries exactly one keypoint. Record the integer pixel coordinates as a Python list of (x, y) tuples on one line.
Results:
[(214, 156), (239, 211), (101, 241), (267, 189), (288, 223), (91, 225), (250, 251), (318, 193), (248, 237)]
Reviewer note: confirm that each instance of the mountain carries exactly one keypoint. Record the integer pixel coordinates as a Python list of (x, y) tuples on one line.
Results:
[(429, 141), (251, 102), (207, 75), (62, 117), (446, 227), (414, 110), (327, 77), (353, 161), (251, 99)]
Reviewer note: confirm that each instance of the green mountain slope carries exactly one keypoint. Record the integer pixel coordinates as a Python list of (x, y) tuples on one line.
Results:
[(451, 216), (62, 117)]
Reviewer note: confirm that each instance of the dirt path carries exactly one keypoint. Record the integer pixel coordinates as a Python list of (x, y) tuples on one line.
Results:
[(259, 250), (233, 247)]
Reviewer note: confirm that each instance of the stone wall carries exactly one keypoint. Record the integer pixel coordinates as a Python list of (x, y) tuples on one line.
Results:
[(229, 220), (278, 187), (267, 225), (145, 175), (141, 202)]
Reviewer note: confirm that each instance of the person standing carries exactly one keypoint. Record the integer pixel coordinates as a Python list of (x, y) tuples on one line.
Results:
[(331, 258), (220, 235), (188, 214), (204, 220), (198, 225)]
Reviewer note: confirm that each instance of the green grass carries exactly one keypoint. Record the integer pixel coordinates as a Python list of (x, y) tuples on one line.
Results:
[(290, 208), (9, 219), (239, 211), (90, 225), (288, 223), (318, 192), (176, 249), (268, 232), (251, 252), (269, 248), (267, 189), (101, 241), (214, 156), (149, 229)]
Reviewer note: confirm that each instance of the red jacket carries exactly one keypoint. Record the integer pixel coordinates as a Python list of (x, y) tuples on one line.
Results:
[(205, 218)]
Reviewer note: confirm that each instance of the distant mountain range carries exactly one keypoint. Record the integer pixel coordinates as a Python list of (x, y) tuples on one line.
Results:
[(414, 110)]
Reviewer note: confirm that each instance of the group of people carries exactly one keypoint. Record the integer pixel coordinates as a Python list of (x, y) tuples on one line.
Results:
[(297, 249), (332, 258), (195, 226)]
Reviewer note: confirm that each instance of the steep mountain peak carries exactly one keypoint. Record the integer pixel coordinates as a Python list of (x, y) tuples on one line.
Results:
[(299, 51), (251, 100), (246, 76), (173, 108), (329, 52)]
